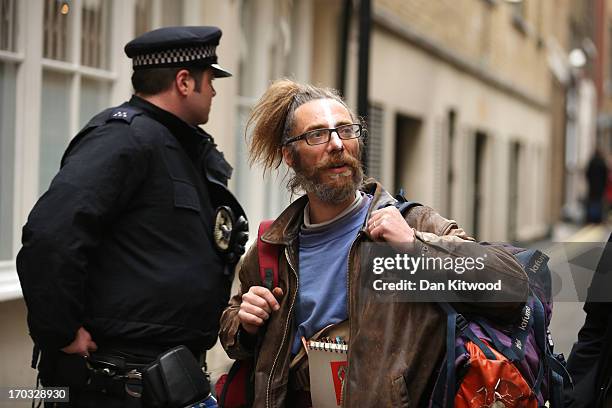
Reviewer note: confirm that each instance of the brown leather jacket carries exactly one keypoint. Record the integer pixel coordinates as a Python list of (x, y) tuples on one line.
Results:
[(395, 349)]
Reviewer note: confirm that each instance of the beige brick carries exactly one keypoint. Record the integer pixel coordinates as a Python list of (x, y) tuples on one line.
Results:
[(486, 34)]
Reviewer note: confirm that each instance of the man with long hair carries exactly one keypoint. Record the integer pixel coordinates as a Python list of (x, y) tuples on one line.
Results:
[(394, 349)]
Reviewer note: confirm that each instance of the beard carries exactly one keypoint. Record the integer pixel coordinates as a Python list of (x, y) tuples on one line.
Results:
[(340, 186)]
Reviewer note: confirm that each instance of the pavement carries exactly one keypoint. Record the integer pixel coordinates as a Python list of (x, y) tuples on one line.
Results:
[(568, 315)]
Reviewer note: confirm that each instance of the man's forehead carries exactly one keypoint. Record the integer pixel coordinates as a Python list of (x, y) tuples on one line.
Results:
[(324, 112)]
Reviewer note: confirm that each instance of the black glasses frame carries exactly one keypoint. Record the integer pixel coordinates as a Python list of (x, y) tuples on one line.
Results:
[(329, 133)]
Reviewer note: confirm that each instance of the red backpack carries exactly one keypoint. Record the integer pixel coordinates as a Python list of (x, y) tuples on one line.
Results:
[(236, 388)]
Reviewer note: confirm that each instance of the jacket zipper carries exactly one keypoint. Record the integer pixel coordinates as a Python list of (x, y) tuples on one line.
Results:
[(269, 385), (348, 311)]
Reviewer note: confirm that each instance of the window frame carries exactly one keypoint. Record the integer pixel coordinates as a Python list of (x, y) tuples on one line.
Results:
[(30, 65)]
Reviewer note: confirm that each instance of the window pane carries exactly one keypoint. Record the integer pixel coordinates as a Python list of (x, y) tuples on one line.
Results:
[(95, 33), (54, 125), (95, 96), (142, 17), (56, 30), (7, 157), (172, 13), (8, 24)]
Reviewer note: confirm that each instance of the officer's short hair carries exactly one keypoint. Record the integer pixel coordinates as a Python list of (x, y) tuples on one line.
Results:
[(152, 81)]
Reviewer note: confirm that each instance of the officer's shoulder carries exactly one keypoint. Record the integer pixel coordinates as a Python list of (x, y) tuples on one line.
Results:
[(118, 115), (110, 127), (123, 113), (118, 120)]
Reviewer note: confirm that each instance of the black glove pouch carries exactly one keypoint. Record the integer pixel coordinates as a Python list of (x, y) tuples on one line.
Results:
[(174, 380)]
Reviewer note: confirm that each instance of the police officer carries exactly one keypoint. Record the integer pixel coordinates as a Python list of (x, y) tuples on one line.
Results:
[(129, 252)]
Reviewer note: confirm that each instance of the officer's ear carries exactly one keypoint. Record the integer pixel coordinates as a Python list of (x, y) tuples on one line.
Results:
[(289, 154), (183, 81)]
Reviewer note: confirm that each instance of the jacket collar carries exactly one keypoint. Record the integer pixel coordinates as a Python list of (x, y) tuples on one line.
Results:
[(287, 226)]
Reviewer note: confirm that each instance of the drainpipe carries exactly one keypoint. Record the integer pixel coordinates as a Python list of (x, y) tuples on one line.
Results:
[(347, 11), (365, 24)]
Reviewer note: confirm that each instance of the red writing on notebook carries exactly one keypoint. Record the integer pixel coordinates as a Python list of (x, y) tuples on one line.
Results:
[(338, 369)]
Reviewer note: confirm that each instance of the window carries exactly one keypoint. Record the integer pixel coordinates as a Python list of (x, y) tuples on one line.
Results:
[(55, 31), (143, 17), (266, 32), (94, 98), (7, 156), (9, 63), (52, 81), (150, 14), (54, 125), (75, 82), (8, 19), (94, 35), (171, 13)]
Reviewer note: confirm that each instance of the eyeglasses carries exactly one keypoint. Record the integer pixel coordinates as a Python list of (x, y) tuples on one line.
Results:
[(321, 136)]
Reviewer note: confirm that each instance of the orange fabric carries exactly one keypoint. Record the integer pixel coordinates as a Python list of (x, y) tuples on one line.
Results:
[(488, 381)]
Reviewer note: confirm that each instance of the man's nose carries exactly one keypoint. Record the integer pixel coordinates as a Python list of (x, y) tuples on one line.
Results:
[(335, 143)]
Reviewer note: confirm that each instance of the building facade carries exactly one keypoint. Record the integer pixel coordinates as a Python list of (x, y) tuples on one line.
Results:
[(461, 101)]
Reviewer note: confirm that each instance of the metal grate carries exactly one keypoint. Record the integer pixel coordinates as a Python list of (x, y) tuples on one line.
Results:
[(94, 26), (55, 29), (374, 141), (8, 25)]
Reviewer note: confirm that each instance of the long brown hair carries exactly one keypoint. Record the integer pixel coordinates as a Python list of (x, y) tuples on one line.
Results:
[(272, 118)]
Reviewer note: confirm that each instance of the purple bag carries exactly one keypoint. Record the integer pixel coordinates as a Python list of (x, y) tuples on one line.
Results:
[(527, 344)]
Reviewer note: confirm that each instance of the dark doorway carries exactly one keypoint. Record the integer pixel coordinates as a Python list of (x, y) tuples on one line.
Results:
[(479, 159), (450, 170), (408, 164), (513, 190)]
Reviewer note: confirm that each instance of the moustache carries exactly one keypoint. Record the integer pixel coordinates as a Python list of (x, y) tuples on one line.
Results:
[(344, 160)]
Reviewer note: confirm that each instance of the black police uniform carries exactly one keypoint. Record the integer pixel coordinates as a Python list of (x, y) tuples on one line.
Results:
[(122, 242), (590, 361)]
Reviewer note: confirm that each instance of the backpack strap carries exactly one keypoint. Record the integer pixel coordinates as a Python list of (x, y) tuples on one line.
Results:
[(402, 204), (539, 327), (445, 388), (451, 326), (507, 352), (521, 332), (268, 257)]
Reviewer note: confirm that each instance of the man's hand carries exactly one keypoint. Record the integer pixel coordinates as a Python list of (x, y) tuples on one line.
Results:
[(82, 343), (388, 225), (256, 306)]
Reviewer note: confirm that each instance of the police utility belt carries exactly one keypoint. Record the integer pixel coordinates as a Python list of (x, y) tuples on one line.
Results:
[(174, 380)]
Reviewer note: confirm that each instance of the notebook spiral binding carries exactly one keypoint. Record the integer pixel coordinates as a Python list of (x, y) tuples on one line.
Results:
[(330, 347)]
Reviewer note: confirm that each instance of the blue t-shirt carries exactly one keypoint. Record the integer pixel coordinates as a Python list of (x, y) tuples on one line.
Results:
[(323, 264)]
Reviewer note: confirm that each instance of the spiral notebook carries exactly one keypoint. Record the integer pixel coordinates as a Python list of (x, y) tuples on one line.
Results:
[(327, 361)]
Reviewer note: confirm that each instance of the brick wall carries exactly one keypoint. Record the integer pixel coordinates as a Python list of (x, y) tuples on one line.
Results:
[(488, 34)]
